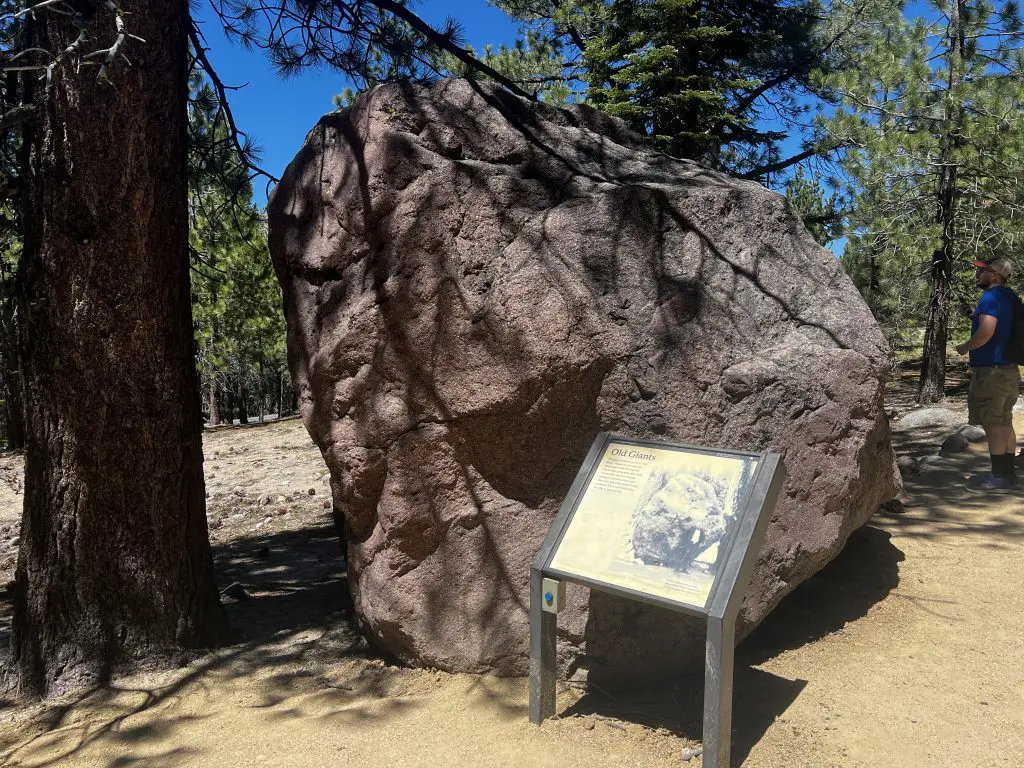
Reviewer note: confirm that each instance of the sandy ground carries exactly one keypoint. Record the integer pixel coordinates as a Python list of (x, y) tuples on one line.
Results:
[(905, 651)]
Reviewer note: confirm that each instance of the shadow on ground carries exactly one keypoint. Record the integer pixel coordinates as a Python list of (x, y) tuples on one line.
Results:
[(294, 579), (862, 575), (293, 628), (937, 504)]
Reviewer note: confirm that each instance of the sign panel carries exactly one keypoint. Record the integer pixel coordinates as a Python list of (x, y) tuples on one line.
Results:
[(655, 520), (675, 525)]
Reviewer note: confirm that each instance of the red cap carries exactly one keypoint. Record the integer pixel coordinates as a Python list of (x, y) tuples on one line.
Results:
[(1003, 267)]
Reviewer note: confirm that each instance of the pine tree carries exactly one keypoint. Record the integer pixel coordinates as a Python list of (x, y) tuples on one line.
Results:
[(114, 566), (699, 78)]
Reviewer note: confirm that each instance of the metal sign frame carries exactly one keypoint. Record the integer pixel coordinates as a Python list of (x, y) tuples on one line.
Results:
[(720, 610)]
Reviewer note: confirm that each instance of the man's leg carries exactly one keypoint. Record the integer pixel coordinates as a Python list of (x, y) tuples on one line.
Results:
[(990, 406), (994, 402), (1001, 439)]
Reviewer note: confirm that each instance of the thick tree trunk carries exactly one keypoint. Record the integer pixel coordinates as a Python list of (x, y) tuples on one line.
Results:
[(932, 385), (114, 568)]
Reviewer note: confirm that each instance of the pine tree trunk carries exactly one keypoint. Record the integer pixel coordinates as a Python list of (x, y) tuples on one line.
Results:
[(243, 410), (115, 568), (15, 410), (280, 392), (229, 404), (14, 405), (260, 387), (214, 400), (932, 385)]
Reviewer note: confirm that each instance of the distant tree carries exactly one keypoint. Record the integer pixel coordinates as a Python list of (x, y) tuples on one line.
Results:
[(236, 299), (820, 209)]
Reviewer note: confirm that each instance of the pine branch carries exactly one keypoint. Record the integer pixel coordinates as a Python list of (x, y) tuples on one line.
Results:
[(19, 115), (445, 44), (789, 162), (244, 157)]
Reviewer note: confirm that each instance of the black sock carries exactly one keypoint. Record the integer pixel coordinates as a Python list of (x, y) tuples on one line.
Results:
[(1002, 465), (1009, 467)]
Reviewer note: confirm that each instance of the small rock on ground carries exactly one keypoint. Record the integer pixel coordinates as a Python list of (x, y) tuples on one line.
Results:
[(974, 434), (955, 443)]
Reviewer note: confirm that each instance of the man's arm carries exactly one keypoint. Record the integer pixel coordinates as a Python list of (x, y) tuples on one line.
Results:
[(986, 329)]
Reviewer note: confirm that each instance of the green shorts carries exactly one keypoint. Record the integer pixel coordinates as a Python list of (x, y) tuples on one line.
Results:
[(992, 395)]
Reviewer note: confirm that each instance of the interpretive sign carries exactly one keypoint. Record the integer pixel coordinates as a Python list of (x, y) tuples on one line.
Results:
[(655, 520), (674, 525)]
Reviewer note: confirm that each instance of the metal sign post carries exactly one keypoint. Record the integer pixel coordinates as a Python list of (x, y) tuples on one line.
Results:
[(718, 501)]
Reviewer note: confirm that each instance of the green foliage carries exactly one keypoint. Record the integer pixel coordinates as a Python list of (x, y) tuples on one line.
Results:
[(820, 208), (236, 300), (700, 79), (927, 108)]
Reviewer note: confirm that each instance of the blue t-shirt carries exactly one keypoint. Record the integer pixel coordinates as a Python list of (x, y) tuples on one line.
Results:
[(997, 302)]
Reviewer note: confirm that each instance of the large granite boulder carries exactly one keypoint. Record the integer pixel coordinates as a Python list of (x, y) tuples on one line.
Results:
[(476, 285)]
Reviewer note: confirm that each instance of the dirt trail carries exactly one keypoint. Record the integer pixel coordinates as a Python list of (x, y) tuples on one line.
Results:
[(906, 651)]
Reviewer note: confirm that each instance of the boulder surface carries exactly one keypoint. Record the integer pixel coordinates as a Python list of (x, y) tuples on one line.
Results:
[(475, 286)]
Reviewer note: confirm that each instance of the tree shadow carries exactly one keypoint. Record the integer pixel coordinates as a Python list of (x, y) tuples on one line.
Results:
[(294, 579), (861, 576), (864, 573), (298, 639), (937, 504)]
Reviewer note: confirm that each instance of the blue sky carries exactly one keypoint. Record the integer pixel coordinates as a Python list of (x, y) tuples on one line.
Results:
[(278, 113)]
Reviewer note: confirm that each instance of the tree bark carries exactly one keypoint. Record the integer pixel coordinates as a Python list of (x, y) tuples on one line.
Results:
[(261, 388), (280, 391), (243, 410), (214, 400), (114, 569), (932, 384), (229, 403)]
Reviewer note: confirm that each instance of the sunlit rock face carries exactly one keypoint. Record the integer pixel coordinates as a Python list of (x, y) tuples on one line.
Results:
[(475, 286)]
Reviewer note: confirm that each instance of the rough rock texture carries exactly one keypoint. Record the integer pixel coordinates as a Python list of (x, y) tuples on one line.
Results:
[(475, 286)]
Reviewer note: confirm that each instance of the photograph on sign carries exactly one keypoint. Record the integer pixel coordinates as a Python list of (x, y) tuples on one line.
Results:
[(656, 520)]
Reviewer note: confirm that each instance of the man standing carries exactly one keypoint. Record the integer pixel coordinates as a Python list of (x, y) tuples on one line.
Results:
[(996, 380)]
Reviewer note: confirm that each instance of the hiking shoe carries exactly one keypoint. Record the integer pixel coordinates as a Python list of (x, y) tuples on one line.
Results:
[(1019, 460), (990, 482)]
